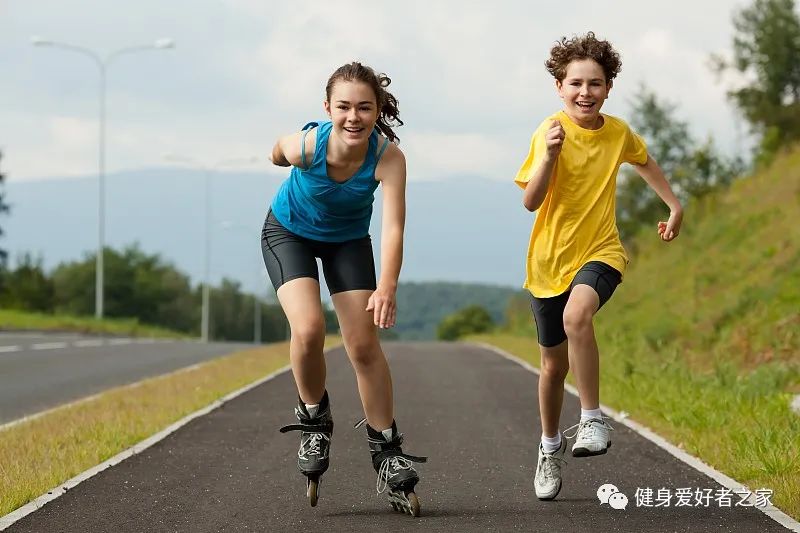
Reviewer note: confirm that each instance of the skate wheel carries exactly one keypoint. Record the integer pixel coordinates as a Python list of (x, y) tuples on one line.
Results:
[(414, 504), (312, 491)]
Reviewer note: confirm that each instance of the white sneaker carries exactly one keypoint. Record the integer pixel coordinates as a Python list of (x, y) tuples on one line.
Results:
[(547, 482), (591, 437)]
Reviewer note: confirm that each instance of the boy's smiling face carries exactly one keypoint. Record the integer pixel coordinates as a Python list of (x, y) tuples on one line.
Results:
[(584, 89)]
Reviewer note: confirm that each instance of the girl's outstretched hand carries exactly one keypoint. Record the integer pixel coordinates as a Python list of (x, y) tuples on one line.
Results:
[(383, 304), (671, 228)]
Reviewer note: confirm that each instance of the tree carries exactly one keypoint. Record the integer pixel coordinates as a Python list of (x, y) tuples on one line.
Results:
[(4, 208), (766, 48), (472, 319), (692, 168), (138, 285), (27, 287)]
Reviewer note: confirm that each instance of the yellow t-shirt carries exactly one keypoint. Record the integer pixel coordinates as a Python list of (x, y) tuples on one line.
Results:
[(576, 222)]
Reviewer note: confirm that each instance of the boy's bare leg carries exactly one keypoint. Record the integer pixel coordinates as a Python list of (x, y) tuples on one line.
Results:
[(584, 357), (554, 368)]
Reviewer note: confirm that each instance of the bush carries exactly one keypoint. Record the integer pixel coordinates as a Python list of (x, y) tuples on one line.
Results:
[(472, 319)]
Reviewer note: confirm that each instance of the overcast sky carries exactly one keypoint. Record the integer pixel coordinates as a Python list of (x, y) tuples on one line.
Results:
[(469, 75)]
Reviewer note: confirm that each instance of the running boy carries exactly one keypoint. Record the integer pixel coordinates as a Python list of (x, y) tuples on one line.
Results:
[(575, 258)]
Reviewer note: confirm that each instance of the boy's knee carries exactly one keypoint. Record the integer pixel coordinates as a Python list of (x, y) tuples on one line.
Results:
[(577, 321), (553, 370)]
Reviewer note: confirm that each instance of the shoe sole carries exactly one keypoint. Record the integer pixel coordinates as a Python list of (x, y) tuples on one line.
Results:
[(586, 452), (548, 498)]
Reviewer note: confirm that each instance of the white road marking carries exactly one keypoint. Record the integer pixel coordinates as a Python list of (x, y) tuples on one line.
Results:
[(48, 345), (119, 342), (87, 344)]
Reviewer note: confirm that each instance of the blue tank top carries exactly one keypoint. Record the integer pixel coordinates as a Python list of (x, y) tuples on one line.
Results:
[(311, 204)]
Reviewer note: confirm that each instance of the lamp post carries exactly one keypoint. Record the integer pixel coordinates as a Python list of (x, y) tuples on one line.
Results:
[(228, 225), (102, 65), (207, 170)]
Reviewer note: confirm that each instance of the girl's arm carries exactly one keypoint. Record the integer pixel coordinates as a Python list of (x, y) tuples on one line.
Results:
[(654, 176), (391, 172), (286, 151)]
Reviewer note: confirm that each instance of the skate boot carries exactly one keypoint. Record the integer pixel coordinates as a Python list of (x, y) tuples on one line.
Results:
[(315, 443), (395, 469)]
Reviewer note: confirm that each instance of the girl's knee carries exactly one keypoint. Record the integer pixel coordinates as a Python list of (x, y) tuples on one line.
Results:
[(309, 335), (364, 351)]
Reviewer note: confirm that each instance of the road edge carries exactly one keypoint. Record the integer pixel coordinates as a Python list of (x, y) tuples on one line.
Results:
[(21, 512), (622, 417)]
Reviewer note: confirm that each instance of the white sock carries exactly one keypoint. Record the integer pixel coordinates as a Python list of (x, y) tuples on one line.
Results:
[(312, 409), (586, 414), (551, 444), (387, 434)]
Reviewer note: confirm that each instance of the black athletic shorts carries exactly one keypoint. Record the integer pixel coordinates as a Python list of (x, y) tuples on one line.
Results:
[(347, 265), (549, 312)]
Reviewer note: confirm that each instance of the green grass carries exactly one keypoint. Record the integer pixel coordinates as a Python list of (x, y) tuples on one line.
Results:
[(23, 320), (702, 340)]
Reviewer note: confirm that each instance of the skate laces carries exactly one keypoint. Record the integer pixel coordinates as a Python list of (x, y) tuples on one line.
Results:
[(586, 429), (390, 468), (311, 446)]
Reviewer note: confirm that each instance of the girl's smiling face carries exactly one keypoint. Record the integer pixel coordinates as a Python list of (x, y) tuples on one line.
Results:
[(353, 111), (584, 89)]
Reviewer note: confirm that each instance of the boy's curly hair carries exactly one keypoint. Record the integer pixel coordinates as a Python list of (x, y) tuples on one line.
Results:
[(583, 47)]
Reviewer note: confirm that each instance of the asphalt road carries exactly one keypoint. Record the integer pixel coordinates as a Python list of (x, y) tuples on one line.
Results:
[(472, 412), (39, 371)]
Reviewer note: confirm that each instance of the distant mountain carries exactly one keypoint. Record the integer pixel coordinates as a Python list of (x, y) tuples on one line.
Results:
[(459, 230)]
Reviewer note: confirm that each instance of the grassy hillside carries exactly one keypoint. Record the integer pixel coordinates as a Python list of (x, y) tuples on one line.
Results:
[(702, 340), (422, 306)]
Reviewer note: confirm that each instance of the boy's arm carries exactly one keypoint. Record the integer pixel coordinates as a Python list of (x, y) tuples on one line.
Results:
[(654, 177), (536, 189)]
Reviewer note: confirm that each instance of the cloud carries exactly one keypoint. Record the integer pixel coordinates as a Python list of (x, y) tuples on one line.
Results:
[(436, 156), (466, 74), (73, 133), (303, 46), (680, 73), (58, 145)]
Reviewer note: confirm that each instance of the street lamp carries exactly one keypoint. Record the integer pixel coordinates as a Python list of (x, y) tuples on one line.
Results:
[(102, 64), (207, 170)]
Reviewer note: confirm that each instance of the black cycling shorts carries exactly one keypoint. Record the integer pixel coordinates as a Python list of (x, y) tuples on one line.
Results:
[(348, 265), (549, 312)]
